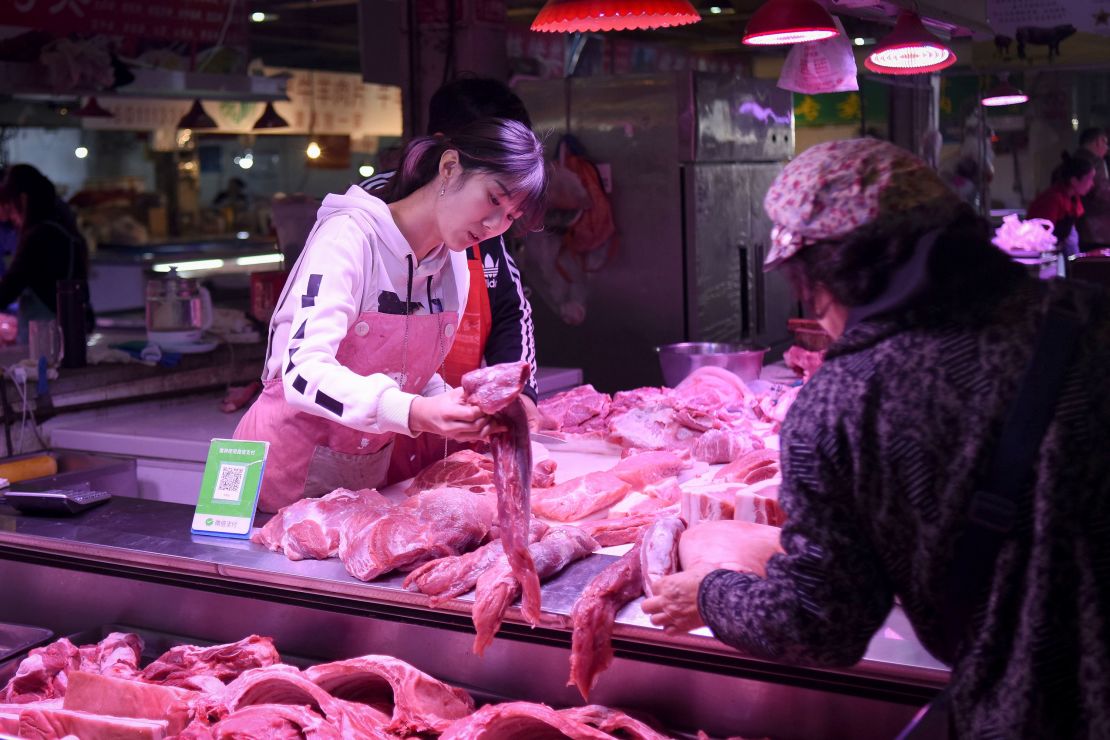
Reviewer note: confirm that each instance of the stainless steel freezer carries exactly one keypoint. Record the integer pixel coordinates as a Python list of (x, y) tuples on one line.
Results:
[(691, 156), (134, 562)]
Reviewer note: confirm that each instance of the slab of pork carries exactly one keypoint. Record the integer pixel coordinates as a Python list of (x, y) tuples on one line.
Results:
[(179, 665), (659, 550), (120, 697), (520, 719), (41, 723), (309, 528), (614, 722)]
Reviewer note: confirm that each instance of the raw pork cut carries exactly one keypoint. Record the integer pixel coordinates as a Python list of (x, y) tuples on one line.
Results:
[(614, 722), (497, 588), (413, 701), (452, 576), (266, 722), (643, 469), (178, 665), (520, 720), (710, 388), (591, 650), (567, 411), (580, 497), (275, 684), (804, 362), (543, 474), (618, 530), (431, 525), (707, 502), (118, 697), (458, 470), (496, 390), (659, 550), (42, 674), (730, 545), (309, 528), (723, 445), (117, 655), (746, 466), (41, 723)]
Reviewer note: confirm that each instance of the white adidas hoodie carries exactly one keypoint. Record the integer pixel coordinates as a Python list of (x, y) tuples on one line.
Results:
[(355, 260)]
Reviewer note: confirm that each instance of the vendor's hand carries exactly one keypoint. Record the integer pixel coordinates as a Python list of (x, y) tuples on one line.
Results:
[(449, 415), (531, 413), (675, 604)]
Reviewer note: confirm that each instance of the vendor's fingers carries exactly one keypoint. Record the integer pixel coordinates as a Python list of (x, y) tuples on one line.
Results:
[(660, 620), (655, 603)]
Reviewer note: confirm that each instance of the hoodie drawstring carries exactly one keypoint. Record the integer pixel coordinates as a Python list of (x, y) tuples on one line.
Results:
[(430, 309), (405, 339)]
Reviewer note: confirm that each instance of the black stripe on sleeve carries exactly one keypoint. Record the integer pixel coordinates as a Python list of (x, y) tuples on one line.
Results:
[(289, 368), (300, 332), (314, 285), (325, 401), (300, 384), (308, 301)]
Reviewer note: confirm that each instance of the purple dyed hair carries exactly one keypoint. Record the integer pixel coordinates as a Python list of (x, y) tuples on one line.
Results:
[(495, 146)]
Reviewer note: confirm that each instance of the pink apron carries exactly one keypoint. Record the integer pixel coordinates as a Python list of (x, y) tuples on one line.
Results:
[(310, 455)]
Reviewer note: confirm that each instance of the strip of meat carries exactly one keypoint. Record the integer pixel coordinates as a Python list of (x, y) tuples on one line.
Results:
[(569, 410), (614, 722), (741, 467), (520, 719), (434, 524), (579, 497), (498, 587), (617, 531), (309, 528), (118, 697), (659, 550), (543, 474), (591, 650), (496, 390), (178, 665), (458, 470), (41, 723), (274, 722), (412, 701), (275, 684), (645, 468), (452, 576)]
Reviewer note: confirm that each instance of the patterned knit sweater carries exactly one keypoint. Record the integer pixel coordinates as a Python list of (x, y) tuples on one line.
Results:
[(881, 453)]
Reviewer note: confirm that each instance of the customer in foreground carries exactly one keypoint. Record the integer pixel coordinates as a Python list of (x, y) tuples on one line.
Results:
[(950, 452)]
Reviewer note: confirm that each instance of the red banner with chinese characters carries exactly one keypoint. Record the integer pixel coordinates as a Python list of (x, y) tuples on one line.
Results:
[(201, 22)]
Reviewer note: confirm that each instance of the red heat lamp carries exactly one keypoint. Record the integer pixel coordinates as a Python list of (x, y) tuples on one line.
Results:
[(779, 22), (1003, 94), (93, 109), (197, 118), (570, 16), (910, 50)]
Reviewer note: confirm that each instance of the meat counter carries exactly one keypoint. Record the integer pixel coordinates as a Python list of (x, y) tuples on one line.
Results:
[(134, 562)]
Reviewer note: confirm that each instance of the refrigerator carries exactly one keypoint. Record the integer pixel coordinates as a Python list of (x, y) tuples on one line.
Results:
[(689, 157)]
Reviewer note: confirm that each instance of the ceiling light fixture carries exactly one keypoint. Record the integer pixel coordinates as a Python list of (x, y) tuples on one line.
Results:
[(197, 118), (313, 150), (779, 22), (93, 109), (910, 49), (81, 152), (1003, 94), (270, 118), (570, 16)]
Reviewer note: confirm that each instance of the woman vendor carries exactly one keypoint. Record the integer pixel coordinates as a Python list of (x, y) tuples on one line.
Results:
[(950, 452), (369, 312), (1061, 203)]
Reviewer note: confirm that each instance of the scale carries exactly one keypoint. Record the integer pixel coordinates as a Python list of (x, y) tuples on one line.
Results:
[(55, 501)]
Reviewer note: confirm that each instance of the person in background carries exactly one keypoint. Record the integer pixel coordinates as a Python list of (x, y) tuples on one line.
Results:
[(49, 247), (497, 326), (891, 442), (372, 306), (1061, 203), (1094, 227), (234, 196)]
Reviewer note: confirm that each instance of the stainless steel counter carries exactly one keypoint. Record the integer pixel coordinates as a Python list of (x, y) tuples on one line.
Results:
[(136, 560)]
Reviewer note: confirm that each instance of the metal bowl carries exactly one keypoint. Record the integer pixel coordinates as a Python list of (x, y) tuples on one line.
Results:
[(679, 360)]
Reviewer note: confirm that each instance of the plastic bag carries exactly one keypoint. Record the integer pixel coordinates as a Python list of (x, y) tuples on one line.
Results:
[(821, 66)]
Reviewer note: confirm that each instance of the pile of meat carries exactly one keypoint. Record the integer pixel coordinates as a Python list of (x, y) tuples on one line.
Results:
[(712, 415), (243, 690)]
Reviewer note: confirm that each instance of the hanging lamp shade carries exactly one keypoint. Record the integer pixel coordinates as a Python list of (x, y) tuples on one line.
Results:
[(1003, 94), (779, 22), (570, 16), (197, 118), (270, 119), (93, 109), (910, 49)]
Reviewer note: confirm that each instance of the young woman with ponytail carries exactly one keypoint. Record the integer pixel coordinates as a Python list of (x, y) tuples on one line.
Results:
[(1061, 203), (372, 306)]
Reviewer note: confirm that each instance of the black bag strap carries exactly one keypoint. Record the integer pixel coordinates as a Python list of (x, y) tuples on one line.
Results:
[(994, 508)]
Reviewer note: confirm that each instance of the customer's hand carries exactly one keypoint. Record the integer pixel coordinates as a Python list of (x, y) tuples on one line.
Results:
[(675, 604)]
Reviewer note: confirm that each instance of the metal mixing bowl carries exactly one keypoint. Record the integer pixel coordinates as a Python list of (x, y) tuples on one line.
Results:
[(679, 360)]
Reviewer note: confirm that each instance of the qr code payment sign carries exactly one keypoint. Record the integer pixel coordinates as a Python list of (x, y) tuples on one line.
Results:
[(229, 482)]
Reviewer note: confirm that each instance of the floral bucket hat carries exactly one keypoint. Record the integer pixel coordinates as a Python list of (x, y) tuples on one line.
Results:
[(834, 189)]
